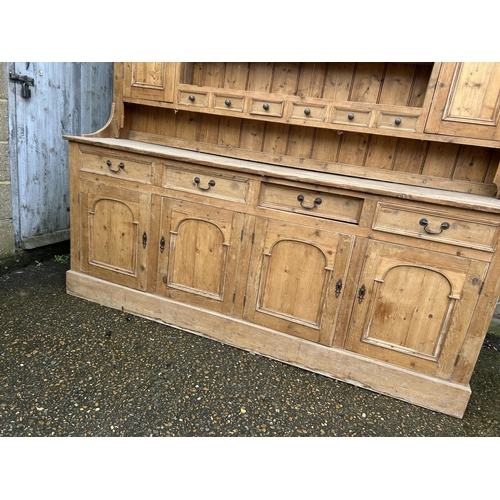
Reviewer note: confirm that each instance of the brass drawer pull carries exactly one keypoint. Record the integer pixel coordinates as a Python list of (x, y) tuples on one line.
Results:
[(425, 223), (317, 201), (197, 181), (121, 166)]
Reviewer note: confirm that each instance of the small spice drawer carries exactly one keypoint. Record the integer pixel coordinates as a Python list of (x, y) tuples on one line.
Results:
[(349, 116), (118, 166), (193, 99), (453, 226), (308, 112), (316, 203), (228, 102), (206, 182), (266, 108), (398, 121)]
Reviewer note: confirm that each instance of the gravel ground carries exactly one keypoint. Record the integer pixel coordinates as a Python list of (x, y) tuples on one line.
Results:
[(69, 367)]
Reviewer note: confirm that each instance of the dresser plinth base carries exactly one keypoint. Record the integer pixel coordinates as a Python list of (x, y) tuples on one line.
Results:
[(432, 393)]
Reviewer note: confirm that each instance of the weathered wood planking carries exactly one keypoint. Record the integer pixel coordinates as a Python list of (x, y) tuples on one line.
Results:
[(67, 98)]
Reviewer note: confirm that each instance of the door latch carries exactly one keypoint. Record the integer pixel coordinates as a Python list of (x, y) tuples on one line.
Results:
[(25, 82)]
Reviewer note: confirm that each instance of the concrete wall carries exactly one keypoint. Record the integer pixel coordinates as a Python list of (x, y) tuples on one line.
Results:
[(7, 246)]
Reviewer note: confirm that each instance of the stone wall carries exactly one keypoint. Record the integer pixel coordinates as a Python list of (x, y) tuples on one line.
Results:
[(7, 246)]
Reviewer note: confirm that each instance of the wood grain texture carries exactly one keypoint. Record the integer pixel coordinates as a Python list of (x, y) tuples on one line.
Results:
[(466, 102), (299, 210), (437, 395), (66, 98), (466, 167)]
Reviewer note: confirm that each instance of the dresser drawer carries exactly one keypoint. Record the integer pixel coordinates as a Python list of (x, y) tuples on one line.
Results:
[(119, 166), (193, 99), (349, 116), (316, 203), (398, 121), (308, 112), (207, 182), (453, 227), (228, 102), (266, 108)]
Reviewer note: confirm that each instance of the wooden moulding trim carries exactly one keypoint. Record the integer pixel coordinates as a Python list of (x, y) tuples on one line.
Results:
[(108, 128), (422, 136), (434, 394), (398, 177), (337, 180)]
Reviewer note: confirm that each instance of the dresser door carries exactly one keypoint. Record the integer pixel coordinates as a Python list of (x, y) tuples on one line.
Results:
[(296, 280), (152, 81), (466, 102), (115, 234), (198, 255), (413, 307)]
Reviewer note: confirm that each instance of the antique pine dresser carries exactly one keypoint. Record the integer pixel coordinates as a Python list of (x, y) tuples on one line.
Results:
[(339, 217)]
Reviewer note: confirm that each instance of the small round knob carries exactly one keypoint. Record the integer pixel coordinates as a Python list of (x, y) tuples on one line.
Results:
[(350, 116), (227, 102), (265, 106), (398, 121), (191, 98), (307, 111)]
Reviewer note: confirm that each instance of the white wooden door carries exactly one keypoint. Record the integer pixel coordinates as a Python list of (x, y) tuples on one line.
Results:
[(67, 98)]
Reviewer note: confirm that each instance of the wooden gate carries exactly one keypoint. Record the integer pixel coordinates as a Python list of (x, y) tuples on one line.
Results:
[(46, 101)]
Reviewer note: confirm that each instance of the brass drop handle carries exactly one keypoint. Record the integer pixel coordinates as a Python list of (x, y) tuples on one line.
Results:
[(425, 223), (317, 201), (121, 166), (197, 181)]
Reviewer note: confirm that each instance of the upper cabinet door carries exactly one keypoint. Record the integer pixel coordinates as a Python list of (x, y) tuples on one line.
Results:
[(153, 81), (466, 102)]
